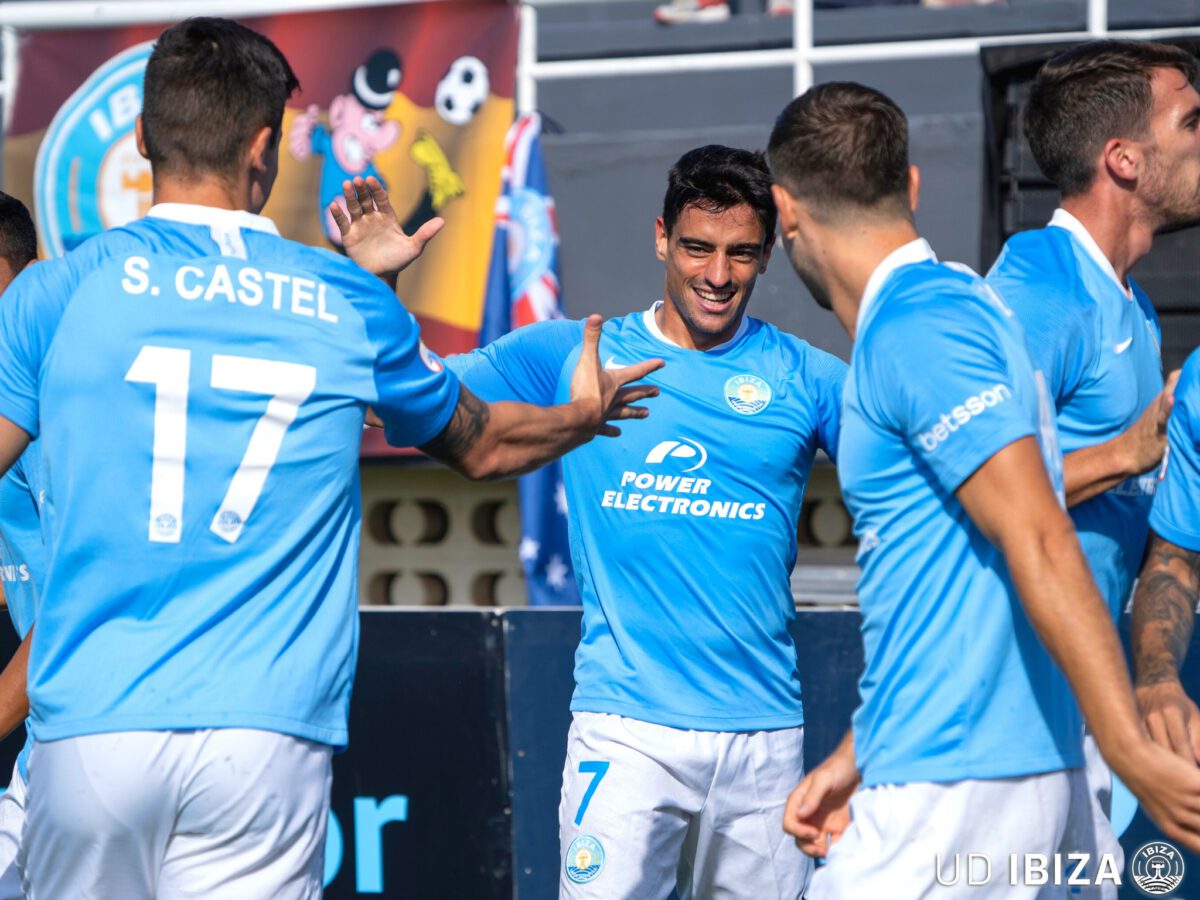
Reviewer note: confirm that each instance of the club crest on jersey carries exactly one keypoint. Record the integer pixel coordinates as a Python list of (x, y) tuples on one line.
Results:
[(747, 394), (89, 175), (432, 363), (585, 859)]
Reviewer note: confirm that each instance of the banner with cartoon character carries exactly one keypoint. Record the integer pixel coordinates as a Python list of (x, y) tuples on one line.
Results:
[(419, 95)]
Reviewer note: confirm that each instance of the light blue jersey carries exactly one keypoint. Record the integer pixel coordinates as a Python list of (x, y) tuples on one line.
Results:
[(1099, 348), (957, 684), (1176, 513), (22, 551), (683, 530), (203, 383)]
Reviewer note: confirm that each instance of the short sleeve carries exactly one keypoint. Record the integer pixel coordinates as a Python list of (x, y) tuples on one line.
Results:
[(947, 378), (829, 380), (524, 365), (29, 314), (416, 394), (1175, 515)]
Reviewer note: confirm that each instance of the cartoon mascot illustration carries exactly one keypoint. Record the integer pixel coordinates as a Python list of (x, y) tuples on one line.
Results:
[(359, 130)]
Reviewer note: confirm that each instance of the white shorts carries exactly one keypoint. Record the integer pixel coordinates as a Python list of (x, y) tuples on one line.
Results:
[(911, 841), (166, 815), (646, 809), (1089, 825), (12, 822)]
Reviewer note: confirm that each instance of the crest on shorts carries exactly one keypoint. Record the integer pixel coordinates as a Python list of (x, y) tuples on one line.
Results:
[(747, 394), (585, 859), (1157, 868)]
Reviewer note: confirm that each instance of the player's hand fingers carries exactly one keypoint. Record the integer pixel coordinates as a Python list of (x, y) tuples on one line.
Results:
[(637, 371), (350, 195), (379, 197), (591, 338), (339, 218), (608, 431), (373, 419), (363, 195), (627, 412), (426, 232), (635, 393), (1177, 732), (1157, 728)]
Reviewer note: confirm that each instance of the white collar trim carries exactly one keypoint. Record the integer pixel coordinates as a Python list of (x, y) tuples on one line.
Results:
[(195, 214), (1063, 219), (913, 252), (651, 324)]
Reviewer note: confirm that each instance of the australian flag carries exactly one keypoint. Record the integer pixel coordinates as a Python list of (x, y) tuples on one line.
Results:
[(523, 287)]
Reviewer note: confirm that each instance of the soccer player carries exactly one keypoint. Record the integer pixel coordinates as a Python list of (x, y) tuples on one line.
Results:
[(1164, 607), (1114, 124), (190, 668), (687, 729), (22, 562), (967, 738)]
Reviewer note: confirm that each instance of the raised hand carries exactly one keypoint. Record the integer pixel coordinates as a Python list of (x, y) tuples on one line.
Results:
[(605, 391), (371, 232), (1146, 439)]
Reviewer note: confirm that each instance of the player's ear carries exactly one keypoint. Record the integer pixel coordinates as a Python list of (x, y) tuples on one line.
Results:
[(141, 140), (262, 147), (786, 204), (660, 238), (1122, 159), (914, 188)]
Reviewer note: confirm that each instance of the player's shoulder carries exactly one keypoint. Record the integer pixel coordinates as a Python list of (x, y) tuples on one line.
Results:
[(1038, 272), (330, 267), (1188, 388), (792, 353)]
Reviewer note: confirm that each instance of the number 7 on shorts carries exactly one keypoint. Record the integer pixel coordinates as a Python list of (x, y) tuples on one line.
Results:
[(597, 769)]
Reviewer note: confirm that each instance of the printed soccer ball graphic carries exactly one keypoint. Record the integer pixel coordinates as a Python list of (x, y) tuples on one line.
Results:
[(462, 90)]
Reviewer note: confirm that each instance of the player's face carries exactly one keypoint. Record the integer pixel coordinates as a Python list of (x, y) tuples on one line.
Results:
[(1170, 187), (712, 261)]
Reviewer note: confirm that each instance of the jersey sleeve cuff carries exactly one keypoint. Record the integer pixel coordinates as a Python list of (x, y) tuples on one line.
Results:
[(406, 436), (21, 415), (966, 461), (1180, 537)]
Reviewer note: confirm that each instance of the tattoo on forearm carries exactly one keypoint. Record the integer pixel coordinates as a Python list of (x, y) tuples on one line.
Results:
[(1164, 611), (469, 421)]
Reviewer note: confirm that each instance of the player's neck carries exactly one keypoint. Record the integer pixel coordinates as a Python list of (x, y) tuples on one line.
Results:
[(853, 260), (1122, 235), (203, 191)]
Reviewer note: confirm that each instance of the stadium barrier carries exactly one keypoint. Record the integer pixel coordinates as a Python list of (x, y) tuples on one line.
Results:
[(449, 789)]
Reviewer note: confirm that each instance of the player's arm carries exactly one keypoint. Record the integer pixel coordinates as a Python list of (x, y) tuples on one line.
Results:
[(818, 810), (1093, 470), (14, 701), (1010, 499), (1164, 613), (500, 440)]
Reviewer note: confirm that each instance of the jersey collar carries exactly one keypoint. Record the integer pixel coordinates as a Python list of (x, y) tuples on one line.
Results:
[(913, 252), (651, 324), (195, 214), (1063, 219)]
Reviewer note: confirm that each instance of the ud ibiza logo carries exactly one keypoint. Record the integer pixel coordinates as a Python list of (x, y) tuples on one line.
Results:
[(747, 394), (681, 449), (585, 859), (89, 175), (1156, 869)]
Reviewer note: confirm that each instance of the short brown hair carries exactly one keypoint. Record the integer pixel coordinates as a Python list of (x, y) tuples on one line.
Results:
[(1086, 96), (843, 147)]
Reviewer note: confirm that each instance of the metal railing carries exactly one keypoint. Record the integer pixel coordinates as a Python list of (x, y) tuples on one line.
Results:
[(802, 56)]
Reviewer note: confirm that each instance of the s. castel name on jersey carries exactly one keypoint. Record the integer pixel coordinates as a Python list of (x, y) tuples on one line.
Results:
[(670, 489), (234, 283)]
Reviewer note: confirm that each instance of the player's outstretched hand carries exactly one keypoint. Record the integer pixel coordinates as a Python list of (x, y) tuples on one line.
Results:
[(1146, 439), (1171, 717), (609, 394), (1168, 789), (818, 810), (371, 232)]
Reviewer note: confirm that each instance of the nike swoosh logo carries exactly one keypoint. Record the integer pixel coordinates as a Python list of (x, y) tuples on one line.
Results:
[(611, 363), (1123, 346)]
